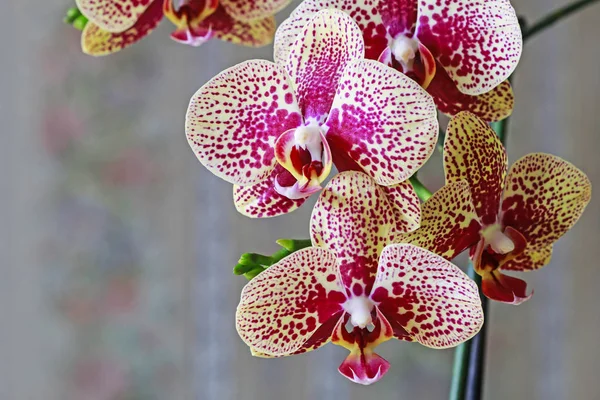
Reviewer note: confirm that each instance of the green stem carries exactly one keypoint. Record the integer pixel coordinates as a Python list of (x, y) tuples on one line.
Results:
[(554, 17), (423, 193)]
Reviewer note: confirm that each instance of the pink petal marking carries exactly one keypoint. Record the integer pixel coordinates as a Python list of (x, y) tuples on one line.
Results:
[(355, 219), (491, 106), (477, 41), (262, 200), (362, 11), (407, 207), (449, 224), (544, 196), (233, 121), (435, 302), (250, 10), (114, 15), (473, 153), (363, 365), (255, 33), (96, 41), (318, 57), (284, 306), (399, 16), (383, 120)]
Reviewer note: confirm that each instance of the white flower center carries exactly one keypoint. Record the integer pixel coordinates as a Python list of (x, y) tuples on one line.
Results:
[(497, 240), (404, 50), (359, 308), (309, 138)]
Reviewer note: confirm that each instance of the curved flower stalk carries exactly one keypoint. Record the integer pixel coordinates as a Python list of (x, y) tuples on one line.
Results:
[(461, 51), (509, 222), (275, 131), (116, 24), (356, 289)]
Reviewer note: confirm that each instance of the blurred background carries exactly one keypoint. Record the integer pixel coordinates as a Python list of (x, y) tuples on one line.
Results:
[(117, 246)]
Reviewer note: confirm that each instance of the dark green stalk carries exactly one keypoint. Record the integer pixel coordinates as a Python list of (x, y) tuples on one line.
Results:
[(423, 193), (554, 17)]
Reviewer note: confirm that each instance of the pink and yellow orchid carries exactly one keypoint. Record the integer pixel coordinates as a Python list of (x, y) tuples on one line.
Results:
[(116, 24), (275, 131), (356, 289), (509, 222), (461, 51)]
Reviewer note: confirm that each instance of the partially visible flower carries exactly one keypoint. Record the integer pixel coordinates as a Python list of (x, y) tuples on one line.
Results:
[(116, 24), (461, 51), (275, 131), (356, 289), (509, 222)]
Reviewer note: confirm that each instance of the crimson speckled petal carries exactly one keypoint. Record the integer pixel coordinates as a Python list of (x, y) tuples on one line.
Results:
[(473, 153), (544, 196), (435, 302), (232, 121), (407, 207), (529, 260), (96, 41), (261, 200), (449, 223), (284, 306), (255, 33), (491, 106), (318, 57), (478, 42), (362, 11), (399, 16), (383, 120), (250, 10), (355, 219), (114, 15)]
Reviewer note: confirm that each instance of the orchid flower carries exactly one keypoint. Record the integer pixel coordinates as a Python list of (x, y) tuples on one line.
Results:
[(509, 222), (116, 24), (355, 289), (461, 51), (275, 131)]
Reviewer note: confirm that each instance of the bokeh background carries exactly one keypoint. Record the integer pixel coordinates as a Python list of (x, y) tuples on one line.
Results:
[(117, 245)]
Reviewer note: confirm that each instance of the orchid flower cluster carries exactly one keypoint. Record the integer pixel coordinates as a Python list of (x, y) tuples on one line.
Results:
[(356, 87), (348, 112)]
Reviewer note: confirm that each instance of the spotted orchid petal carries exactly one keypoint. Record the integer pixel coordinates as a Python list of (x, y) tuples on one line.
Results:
[(529, 260), (282, 308), (478, 42), (255, 33), (363, 365), (250, 10), (233, 121), (383, 121), (316, 60), (355, 219), (491, 106), (503, 288), (262, 200), (473, 153), (97, 41), (449, 223), (543, 198), (436, 303), (115, 15), (399, 16), (361, 11)]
